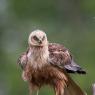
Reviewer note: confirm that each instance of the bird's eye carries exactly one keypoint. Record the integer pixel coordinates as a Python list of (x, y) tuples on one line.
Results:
[(35, 38), (43, 38)]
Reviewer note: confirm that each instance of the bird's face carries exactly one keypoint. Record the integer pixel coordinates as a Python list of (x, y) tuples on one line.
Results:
[(37, 38)]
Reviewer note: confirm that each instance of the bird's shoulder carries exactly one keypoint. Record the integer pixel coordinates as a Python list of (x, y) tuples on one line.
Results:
[(56, 47), (59, 54), (22, 60), (60, 57)]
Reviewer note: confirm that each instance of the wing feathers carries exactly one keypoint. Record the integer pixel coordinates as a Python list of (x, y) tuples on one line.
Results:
[(22, 60), (61, 57), (73, 68)]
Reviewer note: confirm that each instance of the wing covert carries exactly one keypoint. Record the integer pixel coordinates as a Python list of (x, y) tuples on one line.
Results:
[(22, 60), (60, 56)]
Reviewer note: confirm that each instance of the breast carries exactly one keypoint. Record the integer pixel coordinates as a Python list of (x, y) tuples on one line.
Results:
[(37, 61), (45, 75)]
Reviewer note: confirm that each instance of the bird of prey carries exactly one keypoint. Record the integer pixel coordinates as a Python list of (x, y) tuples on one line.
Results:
[(46, 63)]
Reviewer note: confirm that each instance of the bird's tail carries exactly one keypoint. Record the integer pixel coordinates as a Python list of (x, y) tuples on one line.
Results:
[(73, 89)]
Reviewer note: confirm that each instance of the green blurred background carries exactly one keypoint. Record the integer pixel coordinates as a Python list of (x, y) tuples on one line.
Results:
[(71, 22)]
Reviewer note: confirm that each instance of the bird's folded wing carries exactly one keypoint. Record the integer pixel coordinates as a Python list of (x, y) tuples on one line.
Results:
[(22, 60), (60, 56)]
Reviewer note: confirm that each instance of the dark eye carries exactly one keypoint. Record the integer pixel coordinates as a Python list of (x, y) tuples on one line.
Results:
[(43, 38), (35, 38)]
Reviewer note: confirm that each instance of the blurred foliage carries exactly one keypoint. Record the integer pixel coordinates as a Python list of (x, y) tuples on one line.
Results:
[(70, 22)]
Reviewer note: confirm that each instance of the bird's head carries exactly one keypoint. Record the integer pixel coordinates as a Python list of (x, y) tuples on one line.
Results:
[(37, 38)]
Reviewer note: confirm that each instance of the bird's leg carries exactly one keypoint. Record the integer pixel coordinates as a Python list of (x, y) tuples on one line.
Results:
[(37, 92), (33, 89), (30, 90), (59, 88), (59, 91)]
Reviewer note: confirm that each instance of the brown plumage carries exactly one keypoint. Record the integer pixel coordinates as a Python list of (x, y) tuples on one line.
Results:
[(49, 64)]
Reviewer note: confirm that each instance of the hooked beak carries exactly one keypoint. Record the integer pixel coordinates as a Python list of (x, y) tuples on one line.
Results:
[(40, 42)]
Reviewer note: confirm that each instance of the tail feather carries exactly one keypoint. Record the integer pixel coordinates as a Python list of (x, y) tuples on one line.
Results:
[(73, 89)]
